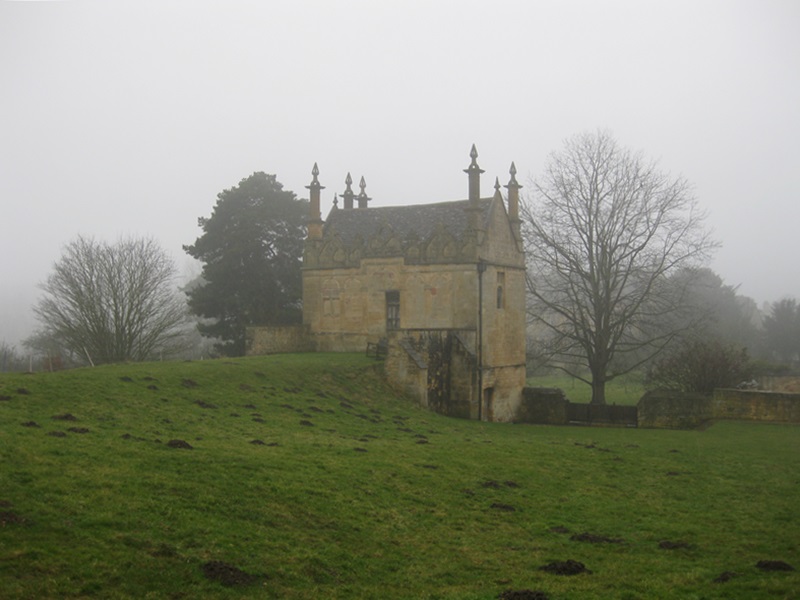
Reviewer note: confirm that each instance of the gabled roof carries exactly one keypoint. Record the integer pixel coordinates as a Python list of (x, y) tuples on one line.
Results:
[(419, 220)]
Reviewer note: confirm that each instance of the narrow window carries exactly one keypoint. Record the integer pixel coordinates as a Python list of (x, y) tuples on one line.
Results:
[(501, 284), (392, 310)]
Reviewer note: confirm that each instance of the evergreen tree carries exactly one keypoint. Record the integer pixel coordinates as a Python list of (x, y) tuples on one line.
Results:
[(251, 249)]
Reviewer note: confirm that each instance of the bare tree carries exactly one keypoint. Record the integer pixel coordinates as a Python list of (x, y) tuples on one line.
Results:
[(604, 232), (113, 303)]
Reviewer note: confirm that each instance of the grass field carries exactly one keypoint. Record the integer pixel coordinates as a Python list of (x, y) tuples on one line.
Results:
[(625, 390), (304, 476)]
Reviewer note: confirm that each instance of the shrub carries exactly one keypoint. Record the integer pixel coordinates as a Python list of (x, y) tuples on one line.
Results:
[(700, 366)]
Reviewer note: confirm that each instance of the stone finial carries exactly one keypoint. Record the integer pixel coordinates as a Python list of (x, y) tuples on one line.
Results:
[(513, 200), (314, 215), (362, 197), (513, 171), (348, 194), (474, 174), (315, 182), (336, 201)]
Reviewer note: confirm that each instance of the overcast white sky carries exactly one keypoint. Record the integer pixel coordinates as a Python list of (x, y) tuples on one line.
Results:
[(127, 118)]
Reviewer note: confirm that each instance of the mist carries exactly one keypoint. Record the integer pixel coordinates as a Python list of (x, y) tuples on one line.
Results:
[(128, 118)]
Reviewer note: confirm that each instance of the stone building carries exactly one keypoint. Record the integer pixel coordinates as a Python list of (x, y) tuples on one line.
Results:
[(441, 286)]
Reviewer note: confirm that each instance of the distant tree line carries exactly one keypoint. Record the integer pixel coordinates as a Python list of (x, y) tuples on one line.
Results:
[(617, 282)]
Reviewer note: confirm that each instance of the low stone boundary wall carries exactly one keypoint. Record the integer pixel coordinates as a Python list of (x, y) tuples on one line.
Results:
[(543, 406), (670, 409), (278, 340), (686, 411), (756, 405)]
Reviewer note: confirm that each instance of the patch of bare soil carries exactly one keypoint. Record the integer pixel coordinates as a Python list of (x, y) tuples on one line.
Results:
[(559, 529), (496, 485), (774, 565), (204, 404), (226, 574), (502, 507), (189, 383), (30, 424), (594, 538), (306, 423), (180, 444), (23, 391), (78, 429), (724, 577), (58, 434), (670, 545), (65, 417), (164, 551), (9, 517), (523, 595), (258, 442), (566, 567), (4, 398)]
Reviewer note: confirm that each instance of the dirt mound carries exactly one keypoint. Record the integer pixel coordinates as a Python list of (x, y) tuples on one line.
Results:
[(594, 538), (180, 444), (502, 507), (78, 429), (566, 567), (226, 574), (522, 595), (65, 417), (56, 434), (30, 424), (9, 517), (774, 565), (725, 576), (670, 545)]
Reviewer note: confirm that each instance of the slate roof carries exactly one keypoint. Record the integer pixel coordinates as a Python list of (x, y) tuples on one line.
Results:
[(419, 219)]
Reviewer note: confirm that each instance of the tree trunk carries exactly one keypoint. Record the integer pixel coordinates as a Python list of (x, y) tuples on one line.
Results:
[(598, 391)]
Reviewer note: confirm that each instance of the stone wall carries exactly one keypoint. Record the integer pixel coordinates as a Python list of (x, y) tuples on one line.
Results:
[(407, 370), (436, 368), (685, 411), (543, 406), (277, 340), (756, 405)]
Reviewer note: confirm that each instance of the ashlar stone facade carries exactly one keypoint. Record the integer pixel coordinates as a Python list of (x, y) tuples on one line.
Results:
[(441, 285)]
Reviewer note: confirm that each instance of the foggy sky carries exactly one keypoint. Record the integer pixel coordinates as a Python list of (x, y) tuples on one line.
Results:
[(128, 118)]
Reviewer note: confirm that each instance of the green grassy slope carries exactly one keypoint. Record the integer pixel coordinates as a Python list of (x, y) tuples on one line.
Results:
[(309, 478)]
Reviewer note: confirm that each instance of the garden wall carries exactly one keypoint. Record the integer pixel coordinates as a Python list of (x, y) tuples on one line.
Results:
[(543, 406), (680, 410)]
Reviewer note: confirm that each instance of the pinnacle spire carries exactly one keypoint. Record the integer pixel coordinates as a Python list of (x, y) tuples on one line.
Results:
[(362, 197), (348, 194), (314, 181)]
